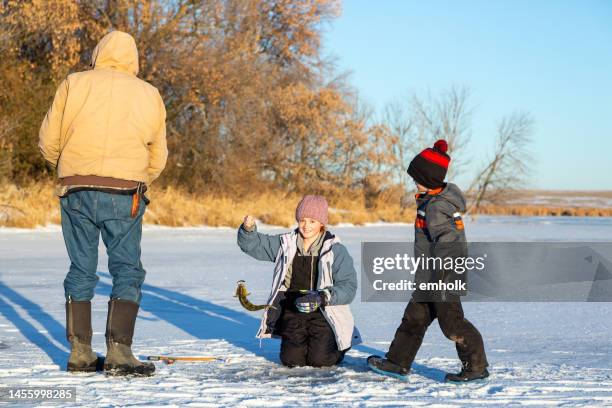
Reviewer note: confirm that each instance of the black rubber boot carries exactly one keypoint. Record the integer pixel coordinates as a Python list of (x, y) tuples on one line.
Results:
[(79, 332), (383, 366), (119, 334), (467, 374)]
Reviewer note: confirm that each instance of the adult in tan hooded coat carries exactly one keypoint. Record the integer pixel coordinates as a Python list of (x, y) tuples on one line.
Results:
[(106, 134)]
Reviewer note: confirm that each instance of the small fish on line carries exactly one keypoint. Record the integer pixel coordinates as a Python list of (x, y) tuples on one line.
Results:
[(242, 293)]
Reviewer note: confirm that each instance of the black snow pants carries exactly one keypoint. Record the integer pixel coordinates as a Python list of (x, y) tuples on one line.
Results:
[(307, 339), (417, 318)]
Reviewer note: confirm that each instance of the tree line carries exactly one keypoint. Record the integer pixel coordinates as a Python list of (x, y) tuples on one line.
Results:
[(252, 103)]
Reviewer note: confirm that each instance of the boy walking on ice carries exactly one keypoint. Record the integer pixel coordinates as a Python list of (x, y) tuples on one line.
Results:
[(438, 229)]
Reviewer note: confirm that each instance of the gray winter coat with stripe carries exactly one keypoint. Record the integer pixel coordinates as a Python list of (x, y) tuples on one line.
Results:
[(336, 274), (439, 232)]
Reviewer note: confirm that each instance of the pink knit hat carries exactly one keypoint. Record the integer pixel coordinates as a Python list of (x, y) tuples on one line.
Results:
[(312, 206)]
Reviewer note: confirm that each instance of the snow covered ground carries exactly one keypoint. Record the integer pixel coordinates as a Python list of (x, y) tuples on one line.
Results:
[(540, 353)]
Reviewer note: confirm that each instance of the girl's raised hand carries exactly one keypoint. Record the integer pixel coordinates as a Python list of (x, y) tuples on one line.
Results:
[(249, 222)]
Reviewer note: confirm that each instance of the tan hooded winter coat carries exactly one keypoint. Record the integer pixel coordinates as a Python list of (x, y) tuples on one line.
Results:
[(105, 121)]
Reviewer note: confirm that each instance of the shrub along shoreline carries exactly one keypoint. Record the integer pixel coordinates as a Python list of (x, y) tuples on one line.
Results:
[(36, 205)]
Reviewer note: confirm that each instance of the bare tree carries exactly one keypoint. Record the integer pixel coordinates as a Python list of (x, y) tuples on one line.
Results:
[(444, 117), (509, 165), (400, 122), (418, 121), (5, 149)]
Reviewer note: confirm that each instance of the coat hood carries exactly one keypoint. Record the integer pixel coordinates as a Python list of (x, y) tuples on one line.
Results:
[(116, 50), (453, 195)]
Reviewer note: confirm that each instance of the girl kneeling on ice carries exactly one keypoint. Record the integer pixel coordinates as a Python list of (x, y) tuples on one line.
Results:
[(313, 284)]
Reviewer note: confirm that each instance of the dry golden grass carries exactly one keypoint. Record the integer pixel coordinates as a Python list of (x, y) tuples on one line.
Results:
[(174, 207), (28, 207), (541, 211), (36, 205)]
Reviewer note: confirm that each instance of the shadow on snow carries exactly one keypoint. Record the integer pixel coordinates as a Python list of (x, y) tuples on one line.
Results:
[(199, 318)]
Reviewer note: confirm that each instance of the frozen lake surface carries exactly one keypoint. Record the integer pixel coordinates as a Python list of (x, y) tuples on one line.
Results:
[(540, 353)]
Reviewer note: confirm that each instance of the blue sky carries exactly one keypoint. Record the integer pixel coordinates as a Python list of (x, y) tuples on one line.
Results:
[(550, 58)]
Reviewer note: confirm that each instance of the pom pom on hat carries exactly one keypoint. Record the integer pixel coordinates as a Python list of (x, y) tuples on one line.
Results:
[(441, 146)]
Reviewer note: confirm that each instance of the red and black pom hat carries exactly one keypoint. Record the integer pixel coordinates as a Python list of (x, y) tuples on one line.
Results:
[(429, 167)]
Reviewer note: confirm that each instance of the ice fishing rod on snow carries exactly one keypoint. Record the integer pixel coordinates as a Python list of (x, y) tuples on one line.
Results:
[(173, 359), (241, 294)]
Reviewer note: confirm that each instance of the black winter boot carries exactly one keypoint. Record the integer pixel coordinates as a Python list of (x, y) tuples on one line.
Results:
[(385, 367), (78, 332), (119, 334), (467, 374)]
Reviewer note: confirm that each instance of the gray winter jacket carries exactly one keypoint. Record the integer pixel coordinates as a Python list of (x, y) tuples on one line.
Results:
[(439, 232), (336, 274)]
